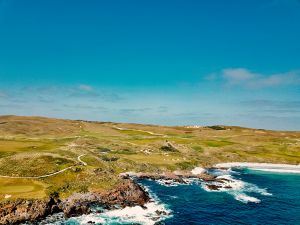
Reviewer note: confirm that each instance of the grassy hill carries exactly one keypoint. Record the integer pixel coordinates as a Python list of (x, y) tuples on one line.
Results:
[(36, 146)]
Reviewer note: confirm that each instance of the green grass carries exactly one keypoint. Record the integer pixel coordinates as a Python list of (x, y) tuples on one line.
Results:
[(16, 188), (18, 145), (33, 165), (187, 165), (31, 146), (217, 143), (197, 148)]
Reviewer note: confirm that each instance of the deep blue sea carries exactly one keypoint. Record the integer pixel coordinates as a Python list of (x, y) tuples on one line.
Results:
[(257, 198), (193, 205)]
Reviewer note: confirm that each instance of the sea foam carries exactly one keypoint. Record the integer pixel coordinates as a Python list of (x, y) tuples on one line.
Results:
[(235, 187), (246, 198), (267, 167), (152, 213), (173, 183), (198, 170)]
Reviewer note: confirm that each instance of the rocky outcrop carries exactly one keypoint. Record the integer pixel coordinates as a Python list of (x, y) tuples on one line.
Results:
[(78, 204), (219, 184), (127, 193), (178, 177), (14, 212)]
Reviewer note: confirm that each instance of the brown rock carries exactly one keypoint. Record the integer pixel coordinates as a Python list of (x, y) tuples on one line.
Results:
[(213, 187), (78, 204), (206, 177), (128, 193), (25, 210)]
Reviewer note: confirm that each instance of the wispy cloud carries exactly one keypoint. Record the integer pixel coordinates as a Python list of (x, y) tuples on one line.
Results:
[(84, 87), (162, 109), (51, 95), (86, 106), (3, 94), (272, 103), (246, 78), (272, 107), (87, 91), (134, 110)]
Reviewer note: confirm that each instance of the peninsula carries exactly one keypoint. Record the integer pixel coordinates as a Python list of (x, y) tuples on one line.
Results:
[(55, 165)]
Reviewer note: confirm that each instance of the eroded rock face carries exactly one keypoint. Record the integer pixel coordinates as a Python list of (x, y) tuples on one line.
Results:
[(127, 193), (172, 177), (26, 210), (78, 204)]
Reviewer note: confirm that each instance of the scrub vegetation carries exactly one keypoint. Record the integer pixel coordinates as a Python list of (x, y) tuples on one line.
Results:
[(34, 146)]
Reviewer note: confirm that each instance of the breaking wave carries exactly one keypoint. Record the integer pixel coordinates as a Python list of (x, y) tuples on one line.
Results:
[(150, 214), (235, 187), (266, 167), (173, 183)]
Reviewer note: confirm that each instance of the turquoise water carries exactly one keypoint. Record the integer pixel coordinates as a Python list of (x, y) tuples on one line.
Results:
[(257, 198)]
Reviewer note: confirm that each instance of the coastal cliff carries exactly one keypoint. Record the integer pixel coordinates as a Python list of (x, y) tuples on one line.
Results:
[(79, 162), (127, 193)]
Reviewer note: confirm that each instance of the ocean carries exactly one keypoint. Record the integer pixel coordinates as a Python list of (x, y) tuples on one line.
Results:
[(256, 197)]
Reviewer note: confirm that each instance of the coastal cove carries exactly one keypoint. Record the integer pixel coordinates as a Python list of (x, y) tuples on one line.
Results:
[(56, 171), (255, 197), (192, 203), (149, 112)]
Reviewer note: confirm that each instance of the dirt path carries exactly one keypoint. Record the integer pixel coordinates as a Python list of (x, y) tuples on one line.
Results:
[(48, 175), (149, 132), (83, 163)]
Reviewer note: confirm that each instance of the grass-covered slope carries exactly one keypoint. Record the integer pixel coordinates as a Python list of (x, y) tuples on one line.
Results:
[(33, 147)]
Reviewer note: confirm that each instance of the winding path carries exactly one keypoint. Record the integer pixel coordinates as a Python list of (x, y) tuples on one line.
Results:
[(145, 131), (83, 163), (48, 175)]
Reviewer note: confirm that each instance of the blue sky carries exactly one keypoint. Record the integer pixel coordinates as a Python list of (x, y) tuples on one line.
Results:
[(162, 62)]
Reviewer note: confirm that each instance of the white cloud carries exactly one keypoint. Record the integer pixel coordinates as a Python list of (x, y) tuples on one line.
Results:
[(3, 94), (245, 78), (238, 74), (85, 87)]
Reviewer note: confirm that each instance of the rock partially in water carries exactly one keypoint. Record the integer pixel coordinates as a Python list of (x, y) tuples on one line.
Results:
[(171, 177), (213, 187), (127, 193), (78, 204)]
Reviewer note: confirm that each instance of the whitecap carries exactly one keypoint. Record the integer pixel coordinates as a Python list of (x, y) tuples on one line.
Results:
[(174, 183), (235, 187), (167, 182), (267, 167), (246, 198), (87, 219), (197, 170), (152, 212)]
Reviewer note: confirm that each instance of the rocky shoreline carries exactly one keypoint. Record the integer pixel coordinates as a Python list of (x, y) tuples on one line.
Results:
[(213, 183), (127, 193), (178, 176)]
